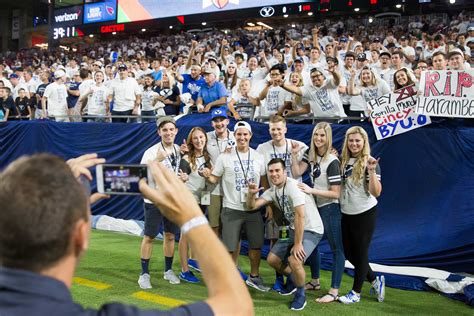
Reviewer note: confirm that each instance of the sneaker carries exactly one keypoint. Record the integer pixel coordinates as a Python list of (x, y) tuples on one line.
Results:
[(298, 303), (144, 281), (350, 298), (257, 283), (193, 264), (242, 275), (278, 286), (188, 276), (378, 287), (171, 277), (289, 289)]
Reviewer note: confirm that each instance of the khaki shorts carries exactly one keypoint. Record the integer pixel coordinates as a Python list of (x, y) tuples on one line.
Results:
[(214, 211)]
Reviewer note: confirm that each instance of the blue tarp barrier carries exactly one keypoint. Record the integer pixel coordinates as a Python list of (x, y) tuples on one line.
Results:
[(426, 211)]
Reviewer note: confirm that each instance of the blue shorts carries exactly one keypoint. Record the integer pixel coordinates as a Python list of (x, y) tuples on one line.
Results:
[(153, 221)]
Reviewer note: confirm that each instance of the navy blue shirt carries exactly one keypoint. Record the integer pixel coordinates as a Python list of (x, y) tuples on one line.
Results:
[(192, 86), (72, 99), (24, 293)]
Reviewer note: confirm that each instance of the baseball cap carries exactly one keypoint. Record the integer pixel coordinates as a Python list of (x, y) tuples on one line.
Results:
[(219, 112), (455, 51), (391, 45), (165, 119), (402, 38), (343, 40), (470, 28), (386, 54), (377, 39), (13, 76), (239, 55), (361, 57), (59, 74), (208, 70), (329, 58), (299, 60), (287, 45), (242, 124), (212, 58), (122, 66)]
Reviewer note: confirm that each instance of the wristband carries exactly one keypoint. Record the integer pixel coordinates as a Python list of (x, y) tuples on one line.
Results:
[(193, 223)]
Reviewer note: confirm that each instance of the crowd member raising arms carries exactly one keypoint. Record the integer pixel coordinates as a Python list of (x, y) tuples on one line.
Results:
[(326, 178), (360, 187), (370, 87)]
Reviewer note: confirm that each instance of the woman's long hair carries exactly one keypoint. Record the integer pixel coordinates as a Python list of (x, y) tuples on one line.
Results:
[(192, 151), (313, 151), (409, 80), (358, 168), (233, 77), (297, 98)]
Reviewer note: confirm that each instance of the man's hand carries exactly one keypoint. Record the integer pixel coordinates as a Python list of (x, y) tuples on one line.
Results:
[(162, 154), (298, 252), (253, 188), (207, 108), (171, 195), (79, 166), (184, 147), (295, 148)]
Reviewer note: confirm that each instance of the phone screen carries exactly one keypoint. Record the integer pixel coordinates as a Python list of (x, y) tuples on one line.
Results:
[(120, 179)]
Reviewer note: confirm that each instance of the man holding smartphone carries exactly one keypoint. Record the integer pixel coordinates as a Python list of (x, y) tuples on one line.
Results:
[(166, 152)]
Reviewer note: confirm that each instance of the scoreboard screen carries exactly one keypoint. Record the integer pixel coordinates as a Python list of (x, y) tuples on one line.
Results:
[(140, 10)]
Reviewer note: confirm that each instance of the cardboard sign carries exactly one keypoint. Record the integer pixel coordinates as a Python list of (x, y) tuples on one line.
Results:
[(394, 113), (447, 93)]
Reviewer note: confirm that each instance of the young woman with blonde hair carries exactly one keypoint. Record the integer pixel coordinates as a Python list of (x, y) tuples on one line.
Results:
[(360, 187), (326, 178)]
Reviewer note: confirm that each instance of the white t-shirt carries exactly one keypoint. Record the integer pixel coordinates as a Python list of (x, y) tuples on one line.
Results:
[(124, 92), (235, 171), (408, 51), (290, 196), (269, 152), (355, 197), (387, 76), (374, 92), (324, 101), (148, 99), (216, 147), (196, 184), (276, 97), (172, 162), (97, 100), (56, 94)]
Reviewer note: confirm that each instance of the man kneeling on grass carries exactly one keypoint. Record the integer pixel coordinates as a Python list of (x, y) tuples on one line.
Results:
[(45, 226), (300, 233)]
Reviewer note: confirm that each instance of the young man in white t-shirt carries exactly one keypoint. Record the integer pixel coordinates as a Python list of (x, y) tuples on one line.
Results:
[(236, 170), (273, 96), (126, 94), (97, 96), (300, 233), (168, 153), (55, 95)]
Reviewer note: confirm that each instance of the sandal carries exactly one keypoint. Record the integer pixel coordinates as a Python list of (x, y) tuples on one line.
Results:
[(331, 297), (310, 286)]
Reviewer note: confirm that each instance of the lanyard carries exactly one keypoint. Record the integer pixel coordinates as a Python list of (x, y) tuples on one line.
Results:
[(281, 206), (242, 166), (173, 159), (316, 169), (286, 150), (217, 141)]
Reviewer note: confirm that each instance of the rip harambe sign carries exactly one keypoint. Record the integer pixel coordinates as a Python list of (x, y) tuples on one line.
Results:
[(394, 113), (446, 93)]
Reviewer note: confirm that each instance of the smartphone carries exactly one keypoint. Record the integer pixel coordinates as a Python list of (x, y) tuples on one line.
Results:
[(121, 179)]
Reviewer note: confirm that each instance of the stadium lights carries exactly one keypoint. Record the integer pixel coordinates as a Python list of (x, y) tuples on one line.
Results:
[(452, 1), (204, 23), (91, 35), (265, 25), (356, 9), (371, 20), (171, 26), (250, 24), (285, 15), (310, 13), (143, 30), (398, 6), (113, 33), (293, 25)]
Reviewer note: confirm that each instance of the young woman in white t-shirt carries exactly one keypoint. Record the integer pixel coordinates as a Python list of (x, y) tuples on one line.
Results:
[(326, 178), (296, 107), (240, 102), (360, 187), (231, 80), (198, 158), (369, 86)]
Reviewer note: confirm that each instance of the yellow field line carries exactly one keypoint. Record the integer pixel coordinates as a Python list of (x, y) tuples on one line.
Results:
[(93, 284), (155, 298)]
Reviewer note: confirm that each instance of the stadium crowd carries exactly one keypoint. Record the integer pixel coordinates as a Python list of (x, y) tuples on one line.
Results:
[(327, 71), (323, 72)]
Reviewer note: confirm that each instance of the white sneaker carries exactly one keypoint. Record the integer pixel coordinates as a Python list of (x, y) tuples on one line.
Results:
[(379, 288), (350, 298), (144, 281), (171, 277)]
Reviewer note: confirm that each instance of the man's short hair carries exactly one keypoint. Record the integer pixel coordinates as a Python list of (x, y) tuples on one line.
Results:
[(437, 54), (41, 203), (7, 89), (277, 160), (399, 53), (276, 119), (278, 67)]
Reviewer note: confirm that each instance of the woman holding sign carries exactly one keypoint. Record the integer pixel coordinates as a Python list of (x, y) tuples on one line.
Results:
[(198, 158), (360, 187), (403, 78), (369, 86), (326, 178)]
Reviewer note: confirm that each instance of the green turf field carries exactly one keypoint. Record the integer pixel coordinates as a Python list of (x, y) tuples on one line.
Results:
[(113, 261)]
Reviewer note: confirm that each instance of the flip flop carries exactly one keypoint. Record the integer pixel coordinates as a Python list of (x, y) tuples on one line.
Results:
[(310, 286), (333, 298)]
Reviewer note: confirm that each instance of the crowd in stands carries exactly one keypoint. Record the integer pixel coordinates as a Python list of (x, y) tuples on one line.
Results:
[(329, 70)]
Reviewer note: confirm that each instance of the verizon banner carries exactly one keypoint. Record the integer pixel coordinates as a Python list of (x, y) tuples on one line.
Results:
[(68, 16)]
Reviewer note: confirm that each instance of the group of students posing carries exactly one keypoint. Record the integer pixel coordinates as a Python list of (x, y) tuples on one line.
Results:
[(225, 176)]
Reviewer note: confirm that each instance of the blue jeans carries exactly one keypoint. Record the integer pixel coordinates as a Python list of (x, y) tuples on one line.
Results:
[(331, 217)]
